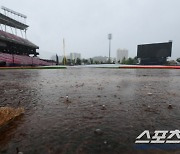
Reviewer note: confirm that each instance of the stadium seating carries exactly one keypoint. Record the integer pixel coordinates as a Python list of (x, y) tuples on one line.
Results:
[(15, 50), (23, 60)]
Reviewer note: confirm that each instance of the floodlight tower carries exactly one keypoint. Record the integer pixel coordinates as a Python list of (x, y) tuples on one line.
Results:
[(109, 38)]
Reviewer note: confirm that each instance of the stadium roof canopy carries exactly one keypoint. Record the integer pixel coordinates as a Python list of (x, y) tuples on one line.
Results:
[(11, 22), (12, 43), (16, 39)]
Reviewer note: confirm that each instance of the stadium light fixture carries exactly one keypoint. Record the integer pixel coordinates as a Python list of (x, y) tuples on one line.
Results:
[(13, 12)]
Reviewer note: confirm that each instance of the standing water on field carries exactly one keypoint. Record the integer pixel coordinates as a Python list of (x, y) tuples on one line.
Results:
[(87, 110)]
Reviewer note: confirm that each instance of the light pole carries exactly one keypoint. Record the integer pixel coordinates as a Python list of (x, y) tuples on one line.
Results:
[(110, 38)]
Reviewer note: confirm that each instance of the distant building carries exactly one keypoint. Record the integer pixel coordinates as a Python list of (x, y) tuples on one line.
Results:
[(121, 54), (100, 59), (74, 56)]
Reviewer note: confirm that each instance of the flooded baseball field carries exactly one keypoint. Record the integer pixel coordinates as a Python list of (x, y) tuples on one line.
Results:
[(105, 112)]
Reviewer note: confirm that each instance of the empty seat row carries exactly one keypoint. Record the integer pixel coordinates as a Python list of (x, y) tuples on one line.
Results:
[(23, 60)]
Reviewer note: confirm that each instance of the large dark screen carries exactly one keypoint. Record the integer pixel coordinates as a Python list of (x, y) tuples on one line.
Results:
[(154, 50)]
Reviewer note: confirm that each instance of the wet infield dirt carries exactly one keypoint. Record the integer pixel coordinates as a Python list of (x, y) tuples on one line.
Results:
[(121, 103)]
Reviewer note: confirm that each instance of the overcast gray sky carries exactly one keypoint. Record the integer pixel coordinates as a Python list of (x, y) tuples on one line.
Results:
[(85, 24)]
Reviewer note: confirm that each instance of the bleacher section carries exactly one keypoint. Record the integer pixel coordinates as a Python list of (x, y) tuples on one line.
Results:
[(15, 50), (22, 60)]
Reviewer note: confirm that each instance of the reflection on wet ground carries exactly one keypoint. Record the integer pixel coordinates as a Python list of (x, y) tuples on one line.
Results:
[(120, 103)]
